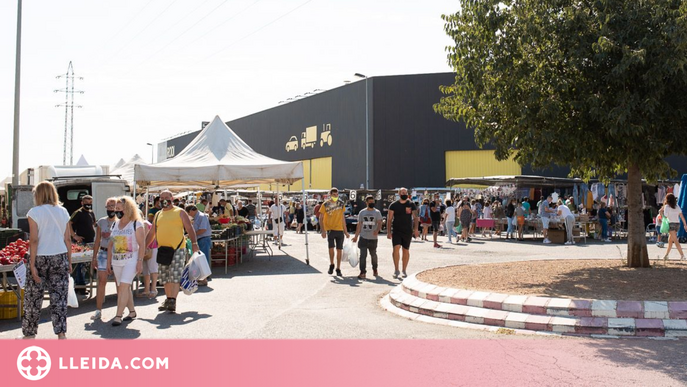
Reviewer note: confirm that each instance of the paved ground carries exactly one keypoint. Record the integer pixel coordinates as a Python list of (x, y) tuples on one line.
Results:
[(281, 298)]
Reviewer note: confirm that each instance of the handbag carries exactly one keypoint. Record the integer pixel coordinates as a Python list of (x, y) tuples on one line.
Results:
[(148, 254), (165, 254), (665, 225)]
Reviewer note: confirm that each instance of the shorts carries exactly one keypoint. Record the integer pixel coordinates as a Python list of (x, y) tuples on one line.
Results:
[(436, 225), (125, 270), (674, 226), (521, 220), (545, 223), (151, 266), (401, 239), (102, 260), (335, 237), (172, 273)]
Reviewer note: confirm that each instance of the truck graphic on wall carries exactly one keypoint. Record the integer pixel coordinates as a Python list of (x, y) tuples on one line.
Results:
[(309, 137)]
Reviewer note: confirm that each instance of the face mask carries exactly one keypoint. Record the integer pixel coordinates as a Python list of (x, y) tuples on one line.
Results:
[(110, 214), (88, 206), (335, 198), (119, 214), (165, 203), (404, 197), (370, 205)]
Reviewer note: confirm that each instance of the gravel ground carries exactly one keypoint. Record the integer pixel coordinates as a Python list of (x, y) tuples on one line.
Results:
[(584, 279)]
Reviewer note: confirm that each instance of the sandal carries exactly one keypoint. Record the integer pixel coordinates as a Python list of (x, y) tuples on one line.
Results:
[(117, 321), (142, 294), (131, 316), (152, 294)]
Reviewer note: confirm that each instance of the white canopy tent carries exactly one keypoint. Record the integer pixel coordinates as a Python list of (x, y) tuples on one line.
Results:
[(126, 170), (218, 158)]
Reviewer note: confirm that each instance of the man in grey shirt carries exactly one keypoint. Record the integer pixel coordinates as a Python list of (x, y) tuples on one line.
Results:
[(369, 224), (201, 224)]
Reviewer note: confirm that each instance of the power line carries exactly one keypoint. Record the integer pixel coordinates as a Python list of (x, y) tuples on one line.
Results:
[(223, 23), (254, 32), (127, 24), (141, 31), (180, 20)]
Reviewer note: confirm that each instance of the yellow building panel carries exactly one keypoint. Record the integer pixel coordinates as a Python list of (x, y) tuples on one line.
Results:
[(321, 176), (475, 163)]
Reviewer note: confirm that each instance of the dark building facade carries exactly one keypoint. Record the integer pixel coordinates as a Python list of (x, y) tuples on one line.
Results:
[(405, 143)]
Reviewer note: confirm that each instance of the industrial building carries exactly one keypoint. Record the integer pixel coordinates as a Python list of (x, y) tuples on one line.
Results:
[(379, 132)]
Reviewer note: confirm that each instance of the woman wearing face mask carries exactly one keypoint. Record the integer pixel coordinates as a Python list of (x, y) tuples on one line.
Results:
[(125, 255), (102, 240)]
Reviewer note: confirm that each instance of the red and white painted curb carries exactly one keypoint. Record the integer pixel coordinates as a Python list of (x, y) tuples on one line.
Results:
[(492, 311)]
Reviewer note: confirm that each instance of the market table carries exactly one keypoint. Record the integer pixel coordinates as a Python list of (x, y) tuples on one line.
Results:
[(235, 242), (258, 241)]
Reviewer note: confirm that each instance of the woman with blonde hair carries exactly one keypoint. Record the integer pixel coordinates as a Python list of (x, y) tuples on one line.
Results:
[(125, 255), (50, 261), (673, 212)]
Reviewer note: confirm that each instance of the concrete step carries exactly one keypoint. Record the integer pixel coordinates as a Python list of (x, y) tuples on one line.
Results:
[(547, 306), (568, 325)]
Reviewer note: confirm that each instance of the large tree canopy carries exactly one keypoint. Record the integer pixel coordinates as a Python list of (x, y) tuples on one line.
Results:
[(599, 86)]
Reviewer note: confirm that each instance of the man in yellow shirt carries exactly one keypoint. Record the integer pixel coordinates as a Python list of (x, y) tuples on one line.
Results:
[(333, 226)]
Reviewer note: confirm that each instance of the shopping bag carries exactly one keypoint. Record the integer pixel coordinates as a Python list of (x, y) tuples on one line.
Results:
[(665, 225), (347, 248), (199, 268), (459, 228), (188, 286), (351, 253), (72, 300)]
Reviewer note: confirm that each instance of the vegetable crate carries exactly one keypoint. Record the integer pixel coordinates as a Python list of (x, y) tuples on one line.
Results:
[(8, 305)]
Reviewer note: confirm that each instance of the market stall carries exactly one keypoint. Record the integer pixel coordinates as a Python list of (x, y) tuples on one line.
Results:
[(217, 158)]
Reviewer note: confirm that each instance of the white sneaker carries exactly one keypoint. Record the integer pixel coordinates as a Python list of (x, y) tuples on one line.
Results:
[(607, 240), (546, 241), (97, 315), (568, 243)]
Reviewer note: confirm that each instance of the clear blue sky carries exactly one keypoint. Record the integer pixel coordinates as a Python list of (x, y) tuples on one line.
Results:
[(156, 68)]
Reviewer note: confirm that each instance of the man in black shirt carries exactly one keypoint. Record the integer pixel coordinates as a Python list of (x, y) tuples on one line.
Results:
[(82, 227), (242, 211), (251, 210), (404, 221)]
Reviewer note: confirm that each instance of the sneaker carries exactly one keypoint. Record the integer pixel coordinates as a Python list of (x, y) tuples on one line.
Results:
[(607, 240), (437, 246), (97, 315), (164, 305), (172, 306), (331, 269), (547, 241), (338, 273), (361, 276), (405, 275), (397, 274), (375, 273)]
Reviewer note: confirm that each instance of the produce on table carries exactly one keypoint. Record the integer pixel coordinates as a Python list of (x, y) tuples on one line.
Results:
[(14, 252)]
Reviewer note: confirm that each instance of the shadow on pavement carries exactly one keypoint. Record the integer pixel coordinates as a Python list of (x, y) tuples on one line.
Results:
[(666, 357), (264, 265), (105, 330), (165, 320)]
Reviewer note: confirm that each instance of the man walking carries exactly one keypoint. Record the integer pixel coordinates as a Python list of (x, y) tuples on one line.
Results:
[(168, 228), (545, 212), (82, 224), (435, 215), (404, 222), (333, 226), (369, 224), (276, 213)]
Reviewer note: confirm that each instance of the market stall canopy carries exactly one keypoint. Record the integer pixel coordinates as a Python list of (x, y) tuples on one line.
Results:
[(682, 202), (517, 180), (220, 158), (119, 164), (82, 162), (126, 170)]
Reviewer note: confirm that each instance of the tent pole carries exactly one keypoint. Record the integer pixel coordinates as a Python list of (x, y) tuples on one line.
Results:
[(305, 220)]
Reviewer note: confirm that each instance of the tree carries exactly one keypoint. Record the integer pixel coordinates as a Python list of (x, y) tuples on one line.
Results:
[(596, 85)]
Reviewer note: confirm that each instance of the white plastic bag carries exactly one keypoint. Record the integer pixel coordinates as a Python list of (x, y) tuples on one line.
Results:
[(72, 300), (199, 269), (350, 253), (188, 285)]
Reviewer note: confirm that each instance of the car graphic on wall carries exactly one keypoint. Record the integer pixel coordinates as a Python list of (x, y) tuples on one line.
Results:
[(292, 144)]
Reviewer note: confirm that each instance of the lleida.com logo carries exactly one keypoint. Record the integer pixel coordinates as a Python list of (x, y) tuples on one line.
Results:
[(33, 363)]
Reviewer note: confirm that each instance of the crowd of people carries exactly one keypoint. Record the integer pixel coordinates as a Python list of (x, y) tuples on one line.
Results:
[(126, 245)]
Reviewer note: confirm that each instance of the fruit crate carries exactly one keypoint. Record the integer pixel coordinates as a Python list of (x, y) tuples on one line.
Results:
[(9, 235), (8, 305)]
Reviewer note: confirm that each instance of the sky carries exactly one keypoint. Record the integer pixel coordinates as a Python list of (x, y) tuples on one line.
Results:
[(153, 69)]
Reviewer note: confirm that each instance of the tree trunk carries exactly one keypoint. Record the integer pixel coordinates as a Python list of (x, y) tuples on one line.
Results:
[(637, 255)]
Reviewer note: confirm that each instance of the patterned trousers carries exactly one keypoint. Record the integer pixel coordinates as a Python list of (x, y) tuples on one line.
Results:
[(53, 270)]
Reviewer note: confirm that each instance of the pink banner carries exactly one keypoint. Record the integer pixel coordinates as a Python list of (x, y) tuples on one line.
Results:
[(298, 362)]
